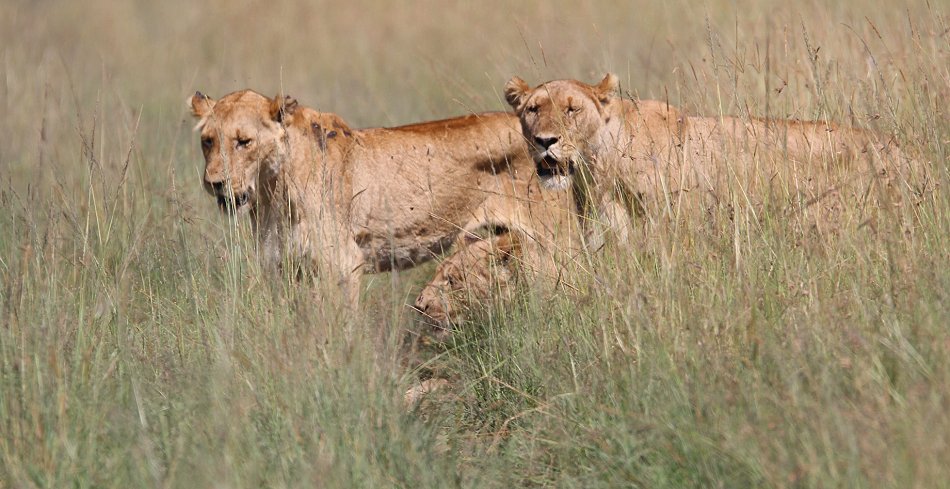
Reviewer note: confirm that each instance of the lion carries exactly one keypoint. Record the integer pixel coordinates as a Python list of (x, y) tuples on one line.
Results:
[(481, 268), (343, 201), (637, 157), (490, 262)]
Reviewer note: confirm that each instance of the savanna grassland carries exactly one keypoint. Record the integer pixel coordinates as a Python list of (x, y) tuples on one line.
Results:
[(142, 344)]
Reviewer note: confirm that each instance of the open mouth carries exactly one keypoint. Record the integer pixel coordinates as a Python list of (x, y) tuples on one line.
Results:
[(226, 204), (436, 326), (550, 167)]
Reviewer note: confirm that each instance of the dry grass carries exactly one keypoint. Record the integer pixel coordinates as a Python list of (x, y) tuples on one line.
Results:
[(140, 344)]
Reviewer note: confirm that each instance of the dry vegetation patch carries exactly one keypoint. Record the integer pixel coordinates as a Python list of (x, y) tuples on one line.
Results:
[(142, 344)]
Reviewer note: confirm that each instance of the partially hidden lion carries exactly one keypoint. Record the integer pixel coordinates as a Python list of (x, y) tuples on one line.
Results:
[(490, 265), (482, 269), (643, 156), (341, 200)]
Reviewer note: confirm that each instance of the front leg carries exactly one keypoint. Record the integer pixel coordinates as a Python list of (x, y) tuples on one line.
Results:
[(611, 217), (335, 261), (340, 265), (351, 272)]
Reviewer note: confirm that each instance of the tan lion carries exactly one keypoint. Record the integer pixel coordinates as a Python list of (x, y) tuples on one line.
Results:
[(643, 156), (479, 270), (340, 200)]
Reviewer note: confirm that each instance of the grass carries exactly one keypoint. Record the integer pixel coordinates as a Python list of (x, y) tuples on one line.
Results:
[(141, 344)]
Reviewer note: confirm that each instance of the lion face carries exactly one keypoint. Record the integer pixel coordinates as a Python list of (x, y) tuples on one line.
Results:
[(562, 121), (468, 277), (241, 137)]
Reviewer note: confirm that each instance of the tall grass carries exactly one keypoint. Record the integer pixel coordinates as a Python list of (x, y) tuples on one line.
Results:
[(142, 345)]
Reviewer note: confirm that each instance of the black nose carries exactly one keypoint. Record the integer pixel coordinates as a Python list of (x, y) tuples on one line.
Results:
[(218, 187), (545, 142)]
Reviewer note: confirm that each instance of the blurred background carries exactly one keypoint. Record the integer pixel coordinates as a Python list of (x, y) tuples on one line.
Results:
[(141, 346), (131, 64)]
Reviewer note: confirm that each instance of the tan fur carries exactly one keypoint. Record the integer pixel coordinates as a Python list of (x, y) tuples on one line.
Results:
[(258, 162), (479, 269), (340, 198), (642, 155), (534, 248)]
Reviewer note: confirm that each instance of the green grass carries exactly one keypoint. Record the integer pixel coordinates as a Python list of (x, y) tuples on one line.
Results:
[(141, 345)]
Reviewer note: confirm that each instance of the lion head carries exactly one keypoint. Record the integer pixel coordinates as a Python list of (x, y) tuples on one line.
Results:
[(321, 129), (468, 277), (562, 121), (242, 135)]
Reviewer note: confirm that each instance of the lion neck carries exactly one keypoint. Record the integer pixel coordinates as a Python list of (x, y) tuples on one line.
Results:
[(599, 179), (606, 153), (304, 183), (278, 198), (612, 140)]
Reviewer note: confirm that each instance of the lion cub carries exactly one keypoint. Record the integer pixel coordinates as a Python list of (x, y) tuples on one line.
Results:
[(481, 269)]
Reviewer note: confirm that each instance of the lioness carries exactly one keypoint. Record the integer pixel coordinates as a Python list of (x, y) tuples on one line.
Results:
[(480, 268), (338, 199), (638, 155), (489, 265)]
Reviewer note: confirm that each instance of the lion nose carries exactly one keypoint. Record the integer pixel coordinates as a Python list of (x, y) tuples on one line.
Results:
[(544, 142), (218, 187), (421, 306)]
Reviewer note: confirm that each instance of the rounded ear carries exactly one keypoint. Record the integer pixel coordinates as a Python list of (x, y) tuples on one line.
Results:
[(200, 104), (470, 238), (282, 107), (516, 91), (608, 88), (509, 244), (338, 125)]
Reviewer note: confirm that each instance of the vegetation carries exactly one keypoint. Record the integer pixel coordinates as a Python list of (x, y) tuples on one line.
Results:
[(142, 346)]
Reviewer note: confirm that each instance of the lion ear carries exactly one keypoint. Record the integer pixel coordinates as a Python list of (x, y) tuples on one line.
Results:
[(200, 104), (339, 125), (509, 244), (282, 107), (608, 88), (516, 91), (470, 238)]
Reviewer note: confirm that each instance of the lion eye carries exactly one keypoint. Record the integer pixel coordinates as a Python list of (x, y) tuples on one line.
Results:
[(573, 110), (207, 143), (533, 109), (243, 142)]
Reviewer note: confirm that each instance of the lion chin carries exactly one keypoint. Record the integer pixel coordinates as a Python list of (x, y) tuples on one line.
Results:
[(239, 205), (556, 182), (553, 173)]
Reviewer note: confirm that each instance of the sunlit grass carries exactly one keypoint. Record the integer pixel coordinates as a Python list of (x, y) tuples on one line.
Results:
[(141, 343)]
